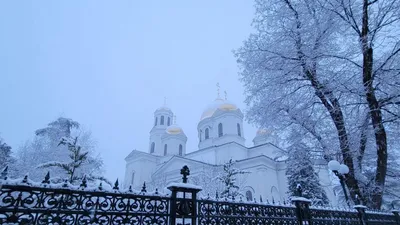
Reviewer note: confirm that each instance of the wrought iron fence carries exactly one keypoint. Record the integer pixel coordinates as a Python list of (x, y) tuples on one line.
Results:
[(25, 202), (224, 212)]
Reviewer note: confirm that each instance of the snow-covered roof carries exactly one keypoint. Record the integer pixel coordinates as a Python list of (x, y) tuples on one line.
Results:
[(137, 152)]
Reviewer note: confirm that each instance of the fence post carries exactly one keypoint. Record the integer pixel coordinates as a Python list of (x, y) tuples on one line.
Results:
[(397, 216), (183, 200), (302, 204), (361, 214), (361, 211)]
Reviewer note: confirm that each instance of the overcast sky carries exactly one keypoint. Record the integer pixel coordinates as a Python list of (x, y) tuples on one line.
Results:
[(109, 65)]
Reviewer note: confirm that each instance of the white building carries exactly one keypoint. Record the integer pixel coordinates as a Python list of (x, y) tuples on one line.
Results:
[(220, 134)]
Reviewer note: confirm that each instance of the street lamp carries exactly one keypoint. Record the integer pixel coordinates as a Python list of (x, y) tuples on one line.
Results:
[(340, 170)]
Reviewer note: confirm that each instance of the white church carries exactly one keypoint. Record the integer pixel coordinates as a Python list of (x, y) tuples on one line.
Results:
[(220, 136)]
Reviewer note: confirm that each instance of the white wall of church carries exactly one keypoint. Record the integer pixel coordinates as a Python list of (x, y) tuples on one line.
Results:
[(230, 151), (206, 155), (140, 169), (220, 154), (262, 179)]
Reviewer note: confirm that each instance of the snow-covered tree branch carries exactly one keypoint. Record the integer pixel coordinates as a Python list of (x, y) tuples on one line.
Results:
[(65, 148), (328, 69)]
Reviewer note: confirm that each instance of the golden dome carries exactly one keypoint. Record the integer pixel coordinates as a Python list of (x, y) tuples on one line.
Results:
[(227, 106), (174, 129), (218, 103)]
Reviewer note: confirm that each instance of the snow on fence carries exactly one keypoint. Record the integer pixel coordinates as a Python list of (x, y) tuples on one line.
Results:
[(25, 202)]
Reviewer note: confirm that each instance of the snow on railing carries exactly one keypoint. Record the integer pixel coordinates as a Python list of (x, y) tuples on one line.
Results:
[(82, 187)]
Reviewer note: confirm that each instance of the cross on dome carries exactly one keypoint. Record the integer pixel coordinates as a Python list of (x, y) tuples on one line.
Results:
[(219, 103), (218, 87)]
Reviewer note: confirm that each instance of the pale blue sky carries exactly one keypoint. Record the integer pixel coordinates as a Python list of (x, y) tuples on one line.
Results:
[(109, 64)]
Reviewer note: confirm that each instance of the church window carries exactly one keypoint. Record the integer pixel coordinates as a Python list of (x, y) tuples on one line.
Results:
[(162, 120), (169, 121), (180, 150), (207, 133), (238, 130), (274, 192), (220, 130), (153, 146), (165, 149), (249, 196), (155, 121), (133, 177)]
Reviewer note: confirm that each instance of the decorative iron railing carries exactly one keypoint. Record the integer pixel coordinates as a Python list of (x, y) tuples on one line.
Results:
[(25, 202), (230, 212)]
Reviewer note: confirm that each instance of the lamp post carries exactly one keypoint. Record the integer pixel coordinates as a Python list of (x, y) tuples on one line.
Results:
[(340, 170)]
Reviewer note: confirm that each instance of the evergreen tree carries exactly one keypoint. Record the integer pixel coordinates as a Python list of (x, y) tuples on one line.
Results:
[(229, 179), (300, 171), (78, 160), (5, 154)]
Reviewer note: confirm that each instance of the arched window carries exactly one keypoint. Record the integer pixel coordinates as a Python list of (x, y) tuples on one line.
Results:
[(220, 130), (180, 150), (162, 120), (169, 121), (238, 130), (207, 133), (165, 149), (153, 146), (155, 121), (133, 177), (275, 193), (249, 196)]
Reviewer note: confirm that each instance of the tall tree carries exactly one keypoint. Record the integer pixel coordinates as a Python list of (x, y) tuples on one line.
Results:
[(304, 68), (371, 23), (300, 171), (45, 149)]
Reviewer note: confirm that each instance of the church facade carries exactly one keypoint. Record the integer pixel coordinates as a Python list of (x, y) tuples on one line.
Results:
[(220, 135)]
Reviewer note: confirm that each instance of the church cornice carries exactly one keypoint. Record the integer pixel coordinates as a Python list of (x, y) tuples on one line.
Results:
[(138, 153), (214, 147)]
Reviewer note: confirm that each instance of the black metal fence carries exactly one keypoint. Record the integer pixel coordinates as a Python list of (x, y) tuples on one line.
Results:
[(22, 202)]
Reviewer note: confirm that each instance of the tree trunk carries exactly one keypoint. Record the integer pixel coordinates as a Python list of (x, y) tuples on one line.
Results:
[(375, 112), (335, 111)]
